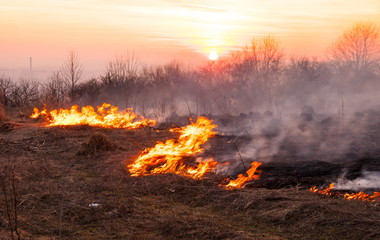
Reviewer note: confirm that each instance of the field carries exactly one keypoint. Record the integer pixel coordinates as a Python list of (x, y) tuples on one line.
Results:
[(72, 183)]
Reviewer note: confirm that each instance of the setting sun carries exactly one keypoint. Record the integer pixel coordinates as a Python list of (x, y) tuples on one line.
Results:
[(213, 56)]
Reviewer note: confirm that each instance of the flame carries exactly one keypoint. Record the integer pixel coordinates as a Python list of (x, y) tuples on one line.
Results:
[(106, 116), (37, 113), (170, 156), (363, 196), (329, 191), (251, 174)]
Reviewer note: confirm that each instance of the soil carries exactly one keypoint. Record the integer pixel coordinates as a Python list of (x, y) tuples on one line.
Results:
[(72, 183)]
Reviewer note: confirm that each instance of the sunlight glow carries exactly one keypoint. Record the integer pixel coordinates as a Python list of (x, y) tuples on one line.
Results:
[(213, 56), (162, 30)]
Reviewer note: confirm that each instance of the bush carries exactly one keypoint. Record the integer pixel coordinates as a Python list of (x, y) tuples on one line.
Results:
[(2, 107)]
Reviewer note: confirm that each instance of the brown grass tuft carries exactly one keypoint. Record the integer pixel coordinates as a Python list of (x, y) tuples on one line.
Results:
[(97, 142)]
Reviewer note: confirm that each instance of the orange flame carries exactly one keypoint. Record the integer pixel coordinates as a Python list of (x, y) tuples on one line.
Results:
[(251, 174), (363, 196), (329, 191), (106, 116), (169, 157)]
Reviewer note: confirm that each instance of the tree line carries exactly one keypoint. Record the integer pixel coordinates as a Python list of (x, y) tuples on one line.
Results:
[(258, 76)]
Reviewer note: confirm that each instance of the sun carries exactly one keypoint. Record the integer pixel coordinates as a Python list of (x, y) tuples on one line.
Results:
[(213, 56)]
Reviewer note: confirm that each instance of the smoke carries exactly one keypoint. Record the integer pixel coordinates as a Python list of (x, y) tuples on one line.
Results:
[(369, 180), (312, 113), (303, 137)]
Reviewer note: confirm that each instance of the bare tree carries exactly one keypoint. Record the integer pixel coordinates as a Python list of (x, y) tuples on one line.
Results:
[(256, 69), (304, 78), (71, 72), (358, 48), (24, 93), (53, 92), (90, 92), (121, 77), (123, 67), (6, 85)]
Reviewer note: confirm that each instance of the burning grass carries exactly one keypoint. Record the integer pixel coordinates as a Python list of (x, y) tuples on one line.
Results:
[(171, 156), (106, 116), (251, 174), (330, 191)]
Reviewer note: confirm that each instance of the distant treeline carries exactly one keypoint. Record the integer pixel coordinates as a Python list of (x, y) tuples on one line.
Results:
[(259, 77)]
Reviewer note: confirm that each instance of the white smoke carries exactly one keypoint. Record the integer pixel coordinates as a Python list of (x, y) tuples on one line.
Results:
[(369, 180)]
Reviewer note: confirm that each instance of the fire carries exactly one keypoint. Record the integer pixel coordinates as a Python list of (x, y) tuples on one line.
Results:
[(251, 174), (363, 196), (329, 191), (170, 156), (106, 116), (174, 156)]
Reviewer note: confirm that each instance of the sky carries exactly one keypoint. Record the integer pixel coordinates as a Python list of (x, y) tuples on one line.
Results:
[(160, 31)]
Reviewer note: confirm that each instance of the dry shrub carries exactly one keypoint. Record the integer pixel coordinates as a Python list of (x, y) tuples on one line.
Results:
[(6, 127), (3, 116), (97, 142)]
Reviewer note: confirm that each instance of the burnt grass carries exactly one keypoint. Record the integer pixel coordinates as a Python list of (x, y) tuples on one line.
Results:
[(71, 183)]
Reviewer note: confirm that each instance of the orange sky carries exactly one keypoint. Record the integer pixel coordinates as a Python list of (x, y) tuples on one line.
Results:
[(161, 30)]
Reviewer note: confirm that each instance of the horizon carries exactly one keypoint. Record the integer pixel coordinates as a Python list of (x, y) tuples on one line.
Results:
[(160, 31)]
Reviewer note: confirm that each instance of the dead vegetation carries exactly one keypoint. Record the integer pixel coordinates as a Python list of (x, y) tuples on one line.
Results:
[(97, 142), (62, 195), (3, 115)]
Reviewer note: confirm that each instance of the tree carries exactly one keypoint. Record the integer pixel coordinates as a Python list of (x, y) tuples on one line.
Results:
[(121, 78), (71, 72), (24, 93), (123, 68), (53, 92), (304, 78), (358, 49), (90, 92), (257, 69), (6, 85), (2, 107)]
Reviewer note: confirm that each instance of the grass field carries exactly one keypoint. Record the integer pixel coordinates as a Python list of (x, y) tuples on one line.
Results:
[(71, 183)]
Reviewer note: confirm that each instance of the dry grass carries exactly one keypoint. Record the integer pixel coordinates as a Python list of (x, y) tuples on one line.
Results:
[(63, 195), (97, 142), (3, 115)]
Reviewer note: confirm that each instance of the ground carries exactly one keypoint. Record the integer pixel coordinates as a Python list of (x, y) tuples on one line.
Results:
[(67, 187)]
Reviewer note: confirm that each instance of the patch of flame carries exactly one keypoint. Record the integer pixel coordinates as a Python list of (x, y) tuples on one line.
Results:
[(169, 156), (251, 174), (329, 191), (106, 116), (363, 196)]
